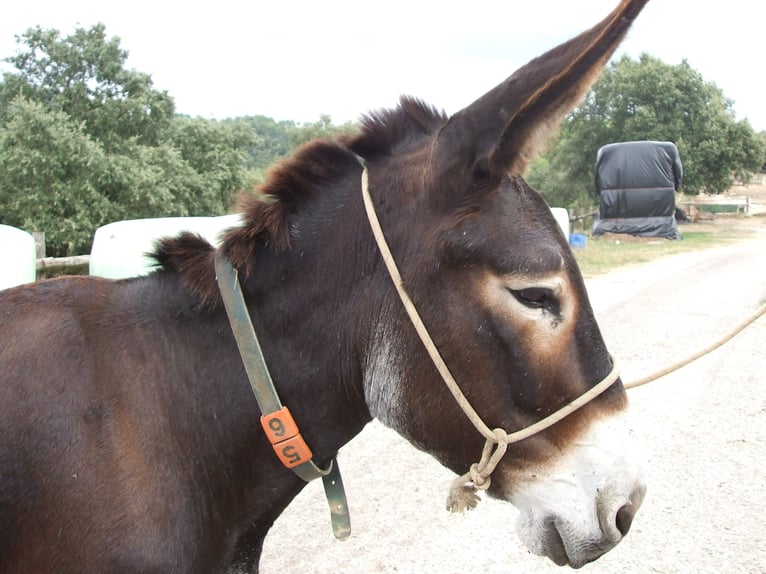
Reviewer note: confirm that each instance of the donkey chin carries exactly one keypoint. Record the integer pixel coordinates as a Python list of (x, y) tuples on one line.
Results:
[(580, 506)]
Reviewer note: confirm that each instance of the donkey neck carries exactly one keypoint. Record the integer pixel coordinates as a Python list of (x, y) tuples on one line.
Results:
[(217, 427)]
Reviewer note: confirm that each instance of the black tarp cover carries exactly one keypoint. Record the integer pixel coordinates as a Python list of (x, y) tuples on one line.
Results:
[(637, 184)]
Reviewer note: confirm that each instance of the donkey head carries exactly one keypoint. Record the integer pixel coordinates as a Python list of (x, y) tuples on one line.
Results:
[(495, 282)]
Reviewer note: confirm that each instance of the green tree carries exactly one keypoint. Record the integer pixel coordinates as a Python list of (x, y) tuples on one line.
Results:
[(84, 141), (762, 136), (49, 169), (84, 76), (216, 153), (272, 140), (275, 140), (650, 100), (322, 128)]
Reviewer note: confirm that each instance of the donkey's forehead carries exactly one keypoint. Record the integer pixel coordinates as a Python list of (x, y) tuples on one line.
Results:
[(539, 264), (533, 252), (513, 231)]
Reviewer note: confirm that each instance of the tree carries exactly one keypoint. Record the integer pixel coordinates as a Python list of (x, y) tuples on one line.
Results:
[(271, 142), (83, 142), (323, 128), (49, 169), (650, 100), (276, 140), (216, 152), (762, 135), (84, 76)]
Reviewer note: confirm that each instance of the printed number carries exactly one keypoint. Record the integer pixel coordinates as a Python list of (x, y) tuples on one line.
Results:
[(290, 454), (277, 427)]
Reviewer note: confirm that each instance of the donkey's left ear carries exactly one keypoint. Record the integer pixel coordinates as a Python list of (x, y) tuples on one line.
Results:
[(502, 131)]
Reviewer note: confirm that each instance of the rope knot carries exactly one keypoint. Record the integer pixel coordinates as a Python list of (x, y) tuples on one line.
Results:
[(501, 437), (478, 478), (464, 490)]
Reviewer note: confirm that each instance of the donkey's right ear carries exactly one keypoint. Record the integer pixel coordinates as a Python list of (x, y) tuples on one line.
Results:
[(502, 131)]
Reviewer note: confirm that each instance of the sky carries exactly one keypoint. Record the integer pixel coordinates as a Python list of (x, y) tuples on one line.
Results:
[(295, 60)]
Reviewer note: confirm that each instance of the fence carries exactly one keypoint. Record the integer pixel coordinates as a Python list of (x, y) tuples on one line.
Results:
[(719, 205), (52, 266), (583, 218)]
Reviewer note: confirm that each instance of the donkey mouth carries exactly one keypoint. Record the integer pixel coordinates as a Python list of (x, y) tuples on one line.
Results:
[(572, 553), (553, 545)]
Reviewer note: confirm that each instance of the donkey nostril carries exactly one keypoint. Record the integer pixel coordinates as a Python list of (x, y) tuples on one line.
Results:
[(624, 518)]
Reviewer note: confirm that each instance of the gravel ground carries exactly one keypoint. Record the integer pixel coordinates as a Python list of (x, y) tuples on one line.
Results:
[(705, 428)]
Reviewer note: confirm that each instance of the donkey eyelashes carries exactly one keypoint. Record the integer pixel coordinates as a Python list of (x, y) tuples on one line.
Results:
[(539, 292), (538, 298)]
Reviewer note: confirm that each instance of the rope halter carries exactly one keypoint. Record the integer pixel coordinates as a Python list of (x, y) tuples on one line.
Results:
[(463, 492)]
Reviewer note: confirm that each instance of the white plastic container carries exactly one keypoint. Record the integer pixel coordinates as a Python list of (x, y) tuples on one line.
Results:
[(19, 257), (119, 248), (562, 218)]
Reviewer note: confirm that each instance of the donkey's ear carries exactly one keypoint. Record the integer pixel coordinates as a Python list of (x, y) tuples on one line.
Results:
[(500, 132)]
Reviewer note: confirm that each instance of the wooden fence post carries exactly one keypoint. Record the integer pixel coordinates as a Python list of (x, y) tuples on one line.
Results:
[(39, 243)]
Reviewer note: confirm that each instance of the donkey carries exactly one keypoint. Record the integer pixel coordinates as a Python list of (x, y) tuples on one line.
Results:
[(130, 439)]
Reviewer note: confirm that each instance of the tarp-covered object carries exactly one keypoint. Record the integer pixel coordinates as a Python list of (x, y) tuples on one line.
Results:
[(637, 184)]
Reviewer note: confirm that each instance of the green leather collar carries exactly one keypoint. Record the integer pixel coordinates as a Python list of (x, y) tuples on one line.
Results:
[(278, 424)]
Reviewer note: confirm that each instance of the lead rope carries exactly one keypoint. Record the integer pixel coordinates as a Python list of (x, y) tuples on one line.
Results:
[(710, 348), (463, 491)]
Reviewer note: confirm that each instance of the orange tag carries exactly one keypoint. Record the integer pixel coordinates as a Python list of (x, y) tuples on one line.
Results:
[(285, 437), (293, 451), (279, 425)]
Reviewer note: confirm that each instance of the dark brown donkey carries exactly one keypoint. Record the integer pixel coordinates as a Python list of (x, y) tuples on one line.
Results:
[(129, 436)]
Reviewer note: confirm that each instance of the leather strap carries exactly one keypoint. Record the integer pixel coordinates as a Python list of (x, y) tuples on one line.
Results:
[(268, 399)]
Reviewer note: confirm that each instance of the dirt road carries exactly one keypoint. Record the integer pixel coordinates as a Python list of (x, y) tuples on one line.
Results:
[(705, 428)]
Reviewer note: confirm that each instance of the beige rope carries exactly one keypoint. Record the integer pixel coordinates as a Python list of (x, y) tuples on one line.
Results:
[(462, 495), (412, 312), (712, 347)]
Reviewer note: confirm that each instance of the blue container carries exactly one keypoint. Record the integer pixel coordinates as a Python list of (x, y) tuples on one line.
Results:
[(577, 240)]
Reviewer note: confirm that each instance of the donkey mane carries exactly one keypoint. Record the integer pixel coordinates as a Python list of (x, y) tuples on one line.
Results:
[(385, 130), (289, 185)]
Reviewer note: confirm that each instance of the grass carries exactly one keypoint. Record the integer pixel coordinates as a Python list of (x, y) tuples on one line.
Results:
[(608, 252)]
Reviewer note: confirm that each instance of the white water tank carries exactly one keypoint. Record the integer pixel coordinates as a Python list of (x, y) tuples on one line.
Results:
[(19, 257), (119, 248), (562, 218)]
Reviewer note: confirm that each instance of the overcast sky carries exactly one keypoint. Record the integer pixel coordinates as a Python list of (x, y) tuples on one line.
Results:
[(297, 59)]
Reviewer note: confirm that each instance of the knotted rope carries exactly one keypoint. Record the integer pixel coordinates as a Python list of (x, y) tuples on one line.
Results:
[(463, 492)]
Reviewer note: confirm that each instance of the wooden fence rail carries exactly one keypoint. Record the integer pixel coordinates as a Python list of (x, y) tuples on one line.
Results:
[(52, 266), (580, 218), (46, 264)]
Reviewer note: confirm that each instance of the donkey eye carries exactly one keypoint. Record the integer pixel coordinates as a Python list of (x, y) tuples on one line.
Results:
[(537, 298)]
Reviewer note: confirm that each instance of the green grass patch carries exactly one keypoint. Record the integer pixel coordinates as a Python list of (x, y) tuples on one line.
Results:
[(608, 252)]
